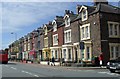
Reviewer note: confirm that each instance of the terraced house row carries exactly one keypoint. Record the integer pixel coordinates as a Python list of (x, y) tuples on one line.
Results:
[(96, 27)]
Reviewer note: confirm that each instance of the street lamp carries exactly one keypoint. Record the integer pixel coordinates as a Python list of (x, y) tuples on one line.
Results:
[(15, 41), (15, 35)]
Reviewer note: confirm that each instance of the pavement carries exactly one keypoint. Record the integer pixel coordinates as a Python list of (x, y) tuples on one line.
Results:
[(66, 67), (19, 69)]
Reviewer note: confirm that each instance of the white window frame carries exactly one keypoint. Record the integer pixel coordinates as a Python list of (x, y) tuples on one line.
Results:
[(52, 53), (46, 42), (113, 29), (28, 43), (25, 45), (67, 21), (64, 53), (54, 26), (114, 45), (55, 39), (66, 36), (70, 53), (56, 54), (85, 33), (83, 8), (87, 53), (83, 15), (45, 29)]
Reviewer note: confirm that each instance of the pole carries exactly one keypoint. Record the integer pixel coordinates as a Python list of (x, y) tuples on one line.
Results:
[(15, 40), (15, 35)]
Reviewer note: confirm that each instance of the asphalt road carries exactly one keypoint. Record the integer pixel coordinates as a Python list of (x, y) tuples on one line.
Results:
[(13, 69)]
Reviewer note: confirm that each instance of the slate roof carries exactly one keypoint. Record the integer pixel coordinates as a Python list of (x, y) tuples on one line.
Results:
[(59, 20), (100, 7), (106, 8)]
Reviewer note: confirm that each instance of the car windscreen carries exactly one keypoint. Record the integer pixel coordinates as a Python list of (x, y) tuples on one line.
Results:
[(117, 60), (2, 52)]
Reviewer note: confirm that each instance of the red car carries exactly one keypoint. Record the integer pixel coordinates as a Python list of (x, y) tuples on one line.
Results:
[(4, 56)]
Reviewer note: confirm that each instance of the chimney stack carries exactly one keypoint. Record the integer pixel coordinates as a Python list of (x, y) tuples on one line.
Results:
[(72, 12), (100, 1), (67, 11)]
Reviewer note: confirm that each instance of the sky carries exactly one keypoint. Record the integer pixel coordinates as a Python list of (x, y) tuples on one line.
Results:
[(22, 16)]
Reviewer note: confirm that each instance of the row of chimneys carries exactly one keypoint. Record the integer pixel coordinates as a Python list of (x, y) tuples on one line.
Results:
[(100, 1), (96, 2), (69, 12)]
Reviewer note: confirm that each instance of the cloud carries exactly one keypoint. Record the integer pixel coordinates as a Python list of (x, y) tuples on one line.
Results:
[(54, 0), (21, 17), (17, 15)]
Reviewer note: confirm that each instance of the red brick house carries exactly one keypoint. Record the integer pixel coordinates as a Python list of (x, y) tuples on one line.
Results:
[(57, 35)]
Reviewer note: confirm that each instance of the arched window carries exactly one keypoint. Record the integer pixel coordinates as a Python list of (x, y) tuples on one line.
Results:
[(67, 21), (54, 26)]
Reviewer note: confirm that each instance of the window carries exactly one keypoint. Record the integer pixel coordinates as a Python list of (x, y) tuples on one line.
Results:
[(56, 54), (52, 53), (55, 39), (82, 32), (82, 54), (84, 14), (85, 31), (117, 51), (2, 52), (45, 29), (88, 52), (67, 21), (67, 35), (46, 54), (54, 26), (64, 52), (69, 54), (38, 45), (114, 51), (110, 30), (46, 42), (114, 29)]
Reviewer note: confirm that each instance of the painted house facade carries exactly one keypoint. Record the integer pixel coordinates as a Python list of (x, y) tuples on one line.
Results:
[(57, 38), (46, 52), (96, 27), (39, 42), (99, 30), (71, 37)]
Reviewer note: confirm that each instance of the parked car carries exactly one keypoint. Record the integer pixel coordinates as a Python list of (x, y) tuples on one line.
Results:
[(114, 65)]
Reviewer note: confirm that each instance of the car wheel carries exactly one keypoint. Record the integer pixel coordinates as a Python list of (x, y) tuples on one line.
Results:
[(112, 71)]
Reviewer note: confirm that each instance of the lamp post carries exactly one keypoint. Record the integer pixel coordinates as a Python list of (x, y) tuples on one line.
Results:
[(15, 40), (15, 35)]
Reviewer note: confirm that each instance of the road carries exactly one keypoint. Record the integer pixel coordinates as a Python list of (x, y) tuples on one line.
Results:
[(14, 69)]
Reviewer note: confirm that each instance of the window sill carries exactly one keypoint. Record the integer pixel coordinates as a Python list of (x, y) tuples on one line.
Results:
[(85, 38), (68, 42), (67, 25), (84, 19), (55, 44)]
